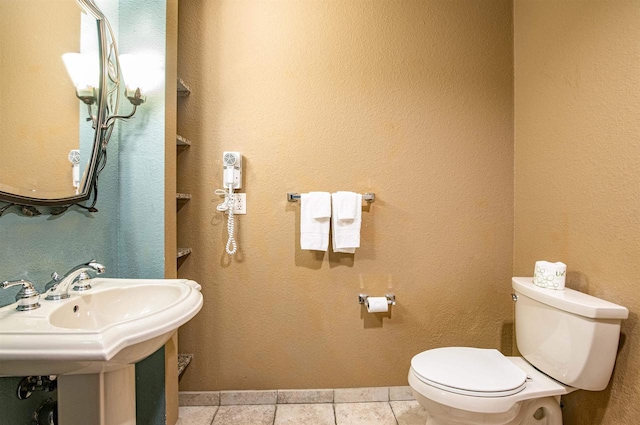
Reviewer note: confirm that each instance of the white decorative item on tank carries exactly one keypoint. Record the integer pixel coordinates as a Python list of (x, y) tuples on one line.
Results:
[(550, 275)]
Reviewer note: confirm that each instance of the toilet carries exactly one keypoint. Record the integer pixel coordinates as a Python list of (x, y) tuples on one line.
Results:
[(568, 341)]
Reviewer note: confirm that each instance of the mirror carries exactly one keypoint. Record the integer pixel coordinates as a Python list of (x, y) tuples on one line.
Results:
[(52, 139)]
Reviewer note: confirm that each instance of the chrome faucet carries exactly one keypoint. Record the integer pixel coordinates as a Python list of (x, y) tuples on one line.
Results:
[(27, 298), (58, 288)]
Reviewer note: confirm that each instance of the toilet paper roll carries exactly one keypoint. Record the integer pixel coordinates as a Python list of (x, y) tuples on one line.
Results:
[(377, 304), (550, 275)]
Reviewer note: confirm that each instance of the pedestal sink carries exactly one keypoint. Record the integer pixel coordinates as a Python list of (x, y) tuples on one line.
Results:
[(92, 340)]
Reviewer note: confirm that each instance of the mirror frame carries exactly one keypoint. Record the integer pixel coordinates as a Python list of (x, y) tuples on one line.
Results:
[(107, 106)]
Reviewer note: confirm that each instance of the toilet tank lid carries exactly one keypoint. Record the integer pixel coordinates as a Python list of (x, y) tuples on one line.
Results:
[(569, 300)]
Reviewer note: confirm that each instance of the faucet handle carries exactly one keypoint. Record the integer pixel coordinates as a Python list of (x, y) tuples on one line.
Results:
[(28, 298), (25, 284), (83, 282), (55, 279)]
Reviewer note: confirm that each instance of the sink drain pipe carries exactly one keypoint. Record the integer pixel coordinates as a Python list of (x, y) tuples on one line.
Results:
[(46, 413), (29, 384)]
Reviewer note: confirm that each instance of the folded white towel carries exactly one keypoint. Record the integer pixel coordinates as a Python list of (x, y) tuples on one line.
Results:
[(320, 204), (347, 205), (346, 232), (315, 214)]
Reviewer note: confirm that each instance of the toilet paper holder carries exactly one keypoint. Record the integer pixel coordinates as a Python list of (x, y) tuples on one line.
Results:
[(391, 298)]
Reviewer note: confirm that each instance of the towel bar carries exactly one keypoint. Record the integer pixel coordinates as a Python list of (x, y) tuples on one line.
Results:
[(294, 197)]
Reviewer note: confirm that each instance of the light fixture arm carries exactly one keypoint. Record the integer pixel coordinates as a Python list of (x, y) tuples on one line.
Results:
[(91, 117), (109, 122)]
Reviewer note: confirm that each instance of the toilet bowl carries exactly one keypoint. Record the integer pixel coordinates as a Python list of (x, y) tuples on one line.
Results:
[(568, 341), (480, 386)]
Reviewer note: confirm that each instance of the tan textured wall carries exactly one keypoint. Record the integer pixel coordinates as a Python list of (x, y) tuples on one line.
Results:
[(38, 109), (411, 100), (170, 129), (577, 168)]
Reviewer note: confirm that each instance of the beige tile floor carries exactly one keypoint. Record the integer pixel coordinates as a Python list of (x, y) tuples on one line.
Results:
[(371, 413)]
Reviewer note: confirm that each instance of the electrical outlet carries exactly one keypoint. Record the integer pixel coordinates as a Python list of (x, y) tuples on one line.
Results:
[(240, 203)]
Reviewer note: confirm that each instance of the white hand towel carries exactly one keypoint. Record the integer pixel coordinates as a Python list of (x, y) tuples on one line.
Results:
[(347, 205), (346, 233), (320, 204), (315, 214)]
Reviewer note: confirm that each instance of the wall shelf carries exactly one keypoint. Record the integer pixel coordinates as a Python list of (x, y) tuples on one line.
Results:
[(182, 141), (183, 88), (183, 362), (183, 252), (182, 199)]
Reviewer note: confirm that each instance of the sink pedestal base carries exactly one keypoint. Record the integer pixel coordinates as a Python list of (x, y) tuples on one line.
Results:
[(106, 398)]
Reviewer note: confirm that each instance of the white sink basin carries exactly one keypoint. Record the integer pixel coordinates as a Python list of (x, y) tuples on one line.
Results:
[(116, 323)]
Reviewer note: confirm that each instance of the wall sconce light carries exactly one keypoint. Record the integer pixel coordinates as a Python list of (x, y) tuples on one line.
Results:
[(141, 74), (84, 72), (133, 79)]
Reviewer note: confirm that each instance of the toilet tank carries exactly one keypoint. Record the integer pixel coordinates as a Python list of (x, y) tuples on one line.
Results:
[(570, 336)]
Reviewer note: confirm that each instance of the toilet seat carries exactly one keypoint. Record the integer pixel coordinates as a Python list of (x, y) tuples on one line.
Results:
[(469, 371), (538, 385)]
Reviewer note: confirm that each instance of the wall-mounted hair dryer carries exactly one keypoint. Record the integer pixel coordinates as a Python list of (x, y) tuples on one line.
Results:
[(74, 158), (232, 162), (231, 180)]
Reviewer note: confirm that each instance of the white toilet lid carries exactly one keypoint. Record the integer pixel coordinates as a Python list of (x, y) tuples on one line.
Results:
[(470, 371)]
